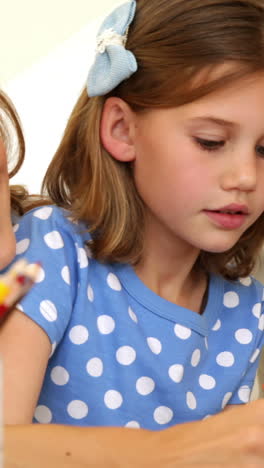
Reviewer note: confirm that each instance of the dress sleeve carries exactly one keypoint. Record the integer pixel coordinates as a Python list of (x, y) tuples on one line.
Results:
[(45, 235), (244, 389)]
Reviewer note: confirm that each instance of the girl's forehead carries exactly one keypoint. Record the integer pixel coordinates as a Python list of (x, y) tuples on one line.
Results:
[(220, 78), (214, 72), (236, 105)]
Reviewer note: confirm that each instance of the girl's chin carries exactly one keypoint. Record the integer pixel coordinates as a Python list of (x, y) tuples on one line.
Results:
[(218, 247)]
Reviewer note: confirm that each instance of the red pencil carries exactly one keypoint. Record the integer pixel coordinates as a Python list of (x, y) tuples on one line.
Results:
[(15, 284)]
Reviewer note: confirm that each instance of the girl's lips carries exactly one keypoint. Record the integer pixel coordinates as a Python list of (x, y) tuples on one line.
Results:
[(227, 220)]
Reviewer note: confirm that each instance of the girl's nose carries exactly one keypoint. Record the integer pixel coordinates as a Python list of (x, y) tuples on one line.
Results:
[(241, 173)]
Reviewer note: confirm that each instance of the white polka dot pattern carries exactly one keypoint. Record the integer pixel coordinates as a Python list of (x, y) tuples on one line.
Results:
[(255, 355), (106, 324), (217, 325), (261, 323), (244, 336), (257, 310), (145, 385), (53, 348), (132, 315), (122, 356), (196, 357), (77, 409), (163, 415), (82, 257), (22, 246), (182, 332), (231, 299), (54, 240), (113, 399), (65, 274), (191, 401), (48, 310), (155, 345), (225, 359), (113, 282), (246, 281), (79, 335), (59, 375), (125, 355), (41, 275), (207, 382), (176, 373), (132, 425), (244, 394), (43, 213), (43, 414), (90, 293), (95, 367), (226, 399)]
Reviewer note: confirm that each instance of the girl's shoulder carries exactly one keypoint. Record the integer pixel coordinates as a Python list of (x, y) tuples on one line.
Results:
[(48, 213), (49, 219), (247, 290)]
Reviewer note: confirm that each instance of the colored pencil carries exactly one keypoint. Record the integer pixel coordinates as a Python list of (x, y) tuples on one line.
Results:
[(15, 283)]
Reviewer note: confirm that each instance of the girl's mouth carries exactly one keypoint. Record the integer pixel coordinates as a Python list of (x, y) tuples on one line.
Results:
[(230, 217), (227, 218)]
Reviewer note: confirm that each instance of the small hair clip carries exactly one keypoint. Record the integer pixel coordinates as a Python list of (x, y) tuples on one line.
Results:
[(113, 62), (109, 37)]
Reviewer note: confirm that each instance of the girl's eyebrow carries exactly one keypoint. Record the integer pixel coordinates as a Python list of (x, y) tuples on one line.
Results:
[(214, 120)]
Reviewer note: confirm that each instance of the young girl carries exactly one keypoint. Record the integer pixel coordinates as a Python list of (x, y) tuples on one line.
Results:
[(145, 315), (11, 144)]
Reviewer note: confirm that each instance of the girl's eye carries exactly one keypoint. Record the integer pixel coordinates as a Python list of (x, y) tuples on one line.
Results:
[(209, 145), (260, 150)]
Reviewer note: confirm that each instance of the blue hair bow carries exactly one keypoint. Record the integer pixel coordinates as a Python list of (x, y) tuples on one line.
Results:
[(113, 63)]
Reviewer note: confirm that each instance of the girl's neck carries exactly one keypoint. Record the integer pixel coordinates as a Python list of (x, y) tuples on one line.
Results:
[(168, 268), (186, 292)]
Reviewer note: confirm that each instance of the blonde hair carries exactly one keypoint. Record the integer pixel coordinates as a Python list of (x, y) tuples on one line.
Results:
[(13, 139), (173, 42)]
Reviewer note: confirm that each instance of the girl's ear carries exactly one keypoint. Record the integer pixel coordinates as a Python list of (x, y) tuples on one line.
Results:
[(117, 129)]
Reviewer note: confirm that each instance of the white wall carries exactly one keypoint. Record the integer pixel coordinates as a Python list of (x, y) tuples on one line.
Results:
[(31, 29), (43, 72), (44, 95)]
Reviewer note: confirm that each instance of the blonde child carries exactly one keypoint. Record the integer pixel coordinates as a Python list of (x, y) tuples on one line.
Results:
[(145, 315)]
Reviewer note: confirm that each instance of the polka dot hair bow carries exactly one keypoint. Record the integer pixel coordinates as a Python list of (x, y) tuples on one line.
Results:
[(113, 62)]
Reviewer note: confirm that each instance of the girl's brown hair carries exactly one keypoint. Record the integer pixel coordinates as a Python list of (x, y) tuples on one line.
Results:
[(12, 136), (174, 42)]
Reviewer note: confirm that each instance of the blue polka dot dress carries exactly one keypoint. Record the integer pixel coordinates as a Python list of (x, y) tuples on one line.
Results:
[(122, 355)]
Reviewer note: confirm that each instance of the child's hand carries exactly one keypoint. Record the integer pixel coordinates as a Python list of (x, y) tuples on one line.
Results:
[(232, 439), (7, 238)]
